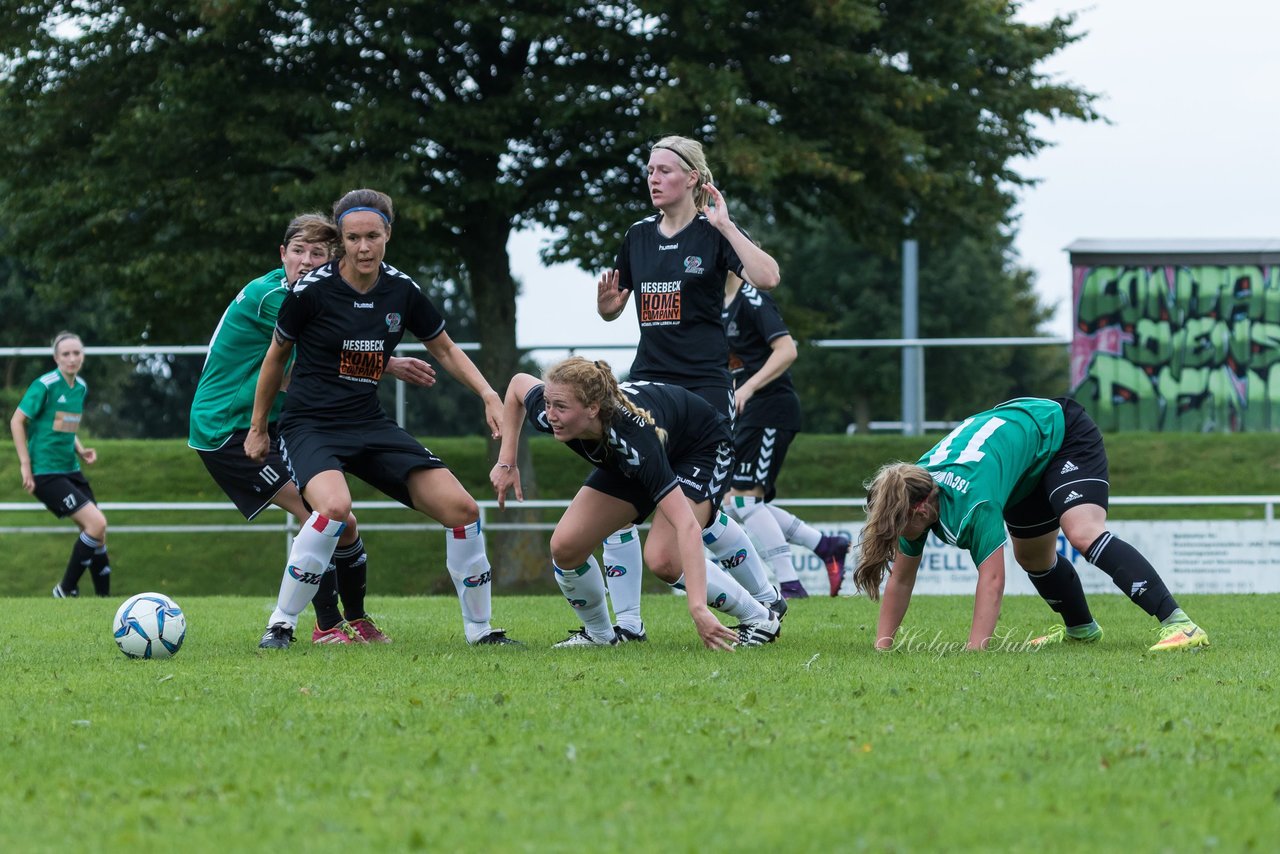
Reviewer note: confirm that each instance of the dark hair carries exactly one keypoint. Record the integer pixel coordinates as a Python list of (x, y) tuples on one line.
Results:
[(892, 494), (369, 200), (311, 228)]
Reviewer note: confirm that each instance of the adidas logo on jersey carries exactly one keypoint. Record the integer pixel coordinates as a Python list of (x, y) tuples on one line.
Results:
[(62, 398), (1074, 496), (1069, 467)]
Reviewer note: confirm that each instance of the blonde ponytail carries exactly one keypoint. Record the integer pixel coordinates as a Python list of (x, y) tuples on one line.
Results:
[(593, 382), (892, 495)]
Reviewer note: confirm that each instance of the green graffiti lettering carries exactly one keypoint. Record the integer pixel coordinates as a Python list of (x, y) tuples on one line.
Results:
[(1201, 352), (1201, 342), (1100, 299), (1152, 343), (1186, 397), (1119, 395)]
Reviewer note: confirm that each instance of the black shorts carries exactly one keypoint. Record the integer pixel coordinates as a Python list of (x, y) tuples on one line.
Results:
[(250, 485), (1077, 474), (702, 475), (758, 454), (721, 399), (64, 493), (378, 452)]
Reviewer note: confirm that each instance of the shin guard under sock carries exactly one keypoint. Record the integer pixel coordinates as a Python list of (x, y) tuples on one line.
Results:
[(1132, 573), (731, 546), (583, 587), (472, 576), (352, 565), (309, 559), (1060, 588), (623, 569)]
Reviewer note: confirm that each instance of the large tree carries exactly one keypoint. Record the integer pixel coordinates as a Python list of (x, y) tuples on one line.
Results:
[(157, 149)]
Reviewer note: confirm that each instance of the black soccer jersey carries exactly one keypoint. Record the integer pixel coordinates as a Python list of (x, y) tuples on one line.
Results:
[(751, 323), (344, 337), (678, 284), (632, 447)]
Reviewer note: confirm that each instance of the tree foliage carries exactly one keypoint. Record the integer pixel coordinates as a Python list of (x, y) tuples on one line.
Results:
[(969, 286), (163, 144)]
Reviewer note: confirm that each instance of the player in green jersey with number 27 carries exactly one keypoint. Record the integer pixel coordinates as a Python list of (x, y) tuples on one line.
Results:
[(1034, 465)]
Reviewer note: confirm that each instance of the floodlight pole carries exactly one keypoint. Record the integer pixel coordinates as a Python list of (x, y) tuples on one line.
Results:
[(912, 355)]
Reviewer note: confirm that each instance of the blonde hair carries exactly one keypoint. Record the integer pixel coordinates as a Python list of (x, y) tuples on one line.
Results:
[(593, 382), (892, 495), (692, 159), (63, 336)]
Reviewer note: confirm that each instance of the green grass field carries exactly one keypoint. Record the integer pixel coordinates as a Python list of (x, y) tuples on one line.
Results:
[(815, 743)]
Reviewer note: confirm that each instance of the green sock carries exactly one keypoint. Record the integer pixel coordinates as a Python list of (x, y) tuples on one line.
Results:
[(1178, 616), (1087, 630)]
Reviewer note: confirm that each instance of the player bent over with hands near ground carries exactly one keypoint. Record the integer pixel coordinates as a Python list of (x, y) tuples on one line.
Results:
[(654, 447), (345, 318), (1035, 465), (223, 405)]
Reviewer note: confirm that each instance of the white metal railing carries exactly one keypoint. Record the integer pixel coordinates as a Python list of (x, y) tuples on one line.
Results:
[(1268, 503)]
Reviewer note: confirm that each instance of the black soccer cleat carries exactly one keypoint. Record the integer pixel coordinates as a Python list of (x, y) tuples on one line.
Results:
[(497, 637), (279, 636), (628, 636)]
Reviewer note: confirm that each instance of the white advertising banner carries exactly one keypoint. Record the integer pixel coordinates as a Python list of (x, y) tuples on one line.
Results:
[(1198, 556)]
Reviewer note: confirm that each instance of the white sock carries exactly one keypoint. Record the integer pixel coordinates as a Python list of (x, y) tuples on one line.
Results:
[(731, 546), (623, 568), (725, 594), (764, 529), (309, 558), (583, 586), (796, 530), (469, 568)]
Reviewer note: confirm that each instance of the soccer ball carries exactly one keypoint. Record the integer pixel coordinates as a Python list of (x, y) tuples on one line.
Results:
[(149, 625)]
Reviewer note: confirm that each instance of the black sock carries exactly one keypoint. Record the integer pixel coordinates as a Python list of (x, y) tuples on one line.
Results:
[(1060, 588), (353, 575), (1133, 574), (81, 557), (326, 602), (100, 572)]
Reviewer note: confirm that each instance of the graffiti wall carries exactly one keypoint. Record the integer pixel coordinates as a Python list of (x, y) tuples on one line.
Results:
[(1187, 348)]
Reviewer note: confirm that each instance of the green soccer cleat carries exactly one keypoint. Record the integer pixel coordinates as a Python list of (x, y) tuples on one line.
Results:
[(1058, 634), (1180, 636)]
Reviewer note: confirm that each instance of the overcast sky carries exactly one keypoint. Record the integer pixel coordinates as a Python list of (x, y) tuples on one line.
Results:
[(1192, 92)]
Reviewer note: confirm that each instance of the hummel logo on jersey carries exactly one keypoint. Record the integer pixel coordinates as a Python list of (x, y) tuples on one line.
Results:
[(663, 247), (1138, 588), (362, 305), (1069, 467), (1074, 496)]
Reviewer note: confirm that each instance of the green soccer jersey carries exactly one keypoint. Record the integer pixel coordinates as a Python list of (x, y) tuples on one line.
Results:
[(224, 398), (993, 459), (54, 408)]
